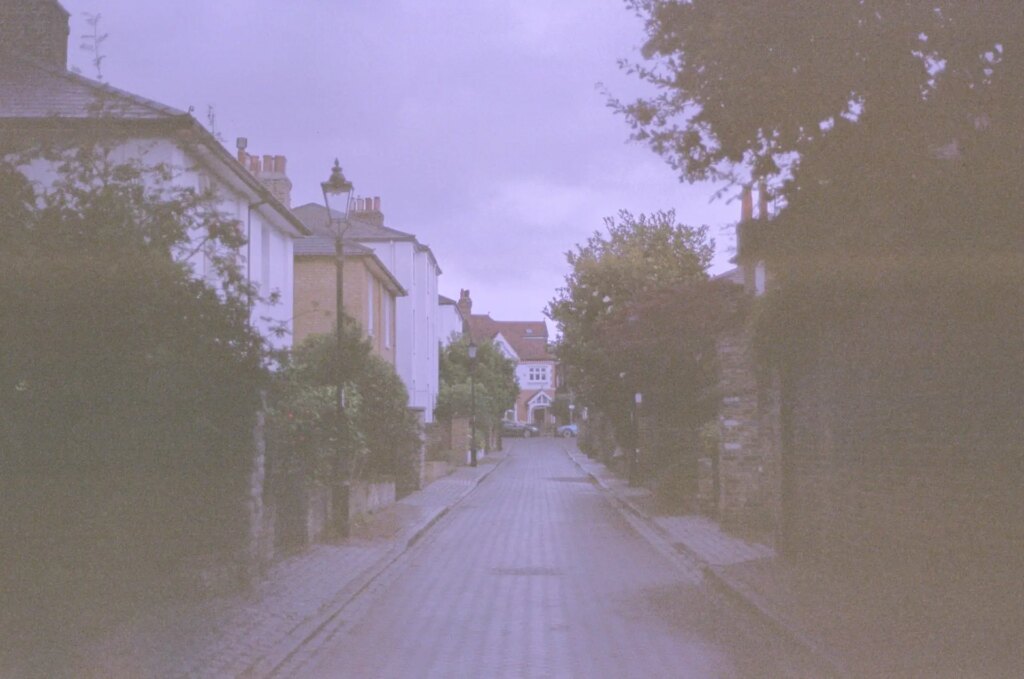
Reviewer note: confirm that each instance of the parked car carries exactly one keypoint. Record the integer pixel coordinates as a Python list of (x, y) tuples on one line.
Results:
[(519, 429), (567, 431)]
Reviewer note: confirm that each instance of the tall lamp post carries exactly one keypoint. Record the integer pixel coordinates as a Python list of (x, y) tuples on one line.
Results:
[(472, 403), (338, 185)]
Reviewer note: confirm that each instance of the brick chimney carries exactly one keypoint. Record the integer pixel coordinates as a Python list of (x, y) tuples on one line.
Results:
[(36, 29), (465, 305), (368, 210), (747, 204), (270, 171)]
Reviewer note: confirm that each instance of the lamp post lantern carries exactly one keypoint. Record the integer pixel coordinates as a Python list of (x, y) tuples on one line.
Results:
[(472, 402), (338, 185)]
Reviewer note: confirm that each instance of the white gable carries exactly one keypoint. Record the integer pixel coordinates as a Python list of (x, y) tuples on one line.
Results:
[(505, 348), (540, 399)]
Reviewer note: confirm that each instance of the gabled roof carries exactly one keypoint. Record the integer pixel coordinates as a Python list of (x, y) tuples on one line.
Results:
[(315, 218), (447, 301), (31, 90), (529, 339), (548, 393), (504, 346), (323, 246), (34, 96), (732, 275)]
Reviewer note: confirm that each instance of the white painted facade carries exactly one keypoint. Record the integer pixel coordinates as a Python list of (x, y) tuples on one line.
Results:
[(449, 323), (416, 318), (536, 375), (267, 258)]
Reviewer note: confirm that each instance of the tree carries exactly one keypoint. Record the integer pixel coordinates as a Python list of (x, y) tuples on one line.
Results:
[(110, 348), (378, 435), (128, 385), (637, 314), (880, 124), (495, 384)]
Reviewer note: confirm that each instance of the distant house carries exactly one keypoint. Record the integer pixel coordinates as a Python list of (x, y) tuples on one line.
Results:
[(450, 321), (526, 343), (415, 269), (41, 101)]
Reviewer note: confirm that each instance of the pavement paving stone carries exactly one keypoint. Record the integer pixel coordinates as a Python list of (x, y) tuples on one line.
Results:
[(250, 633), (848, 620), (703, 536)]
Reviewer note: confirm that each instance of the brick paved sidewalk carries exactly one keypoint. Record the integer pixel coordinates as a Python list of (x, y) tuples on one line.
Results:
[(858, 627), (250, 634)]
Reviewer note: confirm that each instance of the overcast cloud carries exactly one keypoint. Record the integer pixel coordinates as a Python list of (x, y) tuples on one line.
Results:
[(477, 121)]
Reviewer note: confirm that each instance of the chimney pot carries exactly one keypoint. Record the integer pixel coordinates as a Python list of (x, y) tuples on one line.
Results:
[(279, 164), (376, 203), (268, 163)]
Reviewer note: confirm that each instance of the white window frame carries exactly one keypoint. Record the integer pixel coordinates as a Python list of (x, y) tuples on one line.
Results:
[(537, 373)]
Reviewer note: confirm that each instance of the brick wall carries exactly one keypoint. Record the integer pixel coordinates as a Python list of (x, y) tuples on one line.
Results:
[(314, 305), (315, 301), (906, 426)]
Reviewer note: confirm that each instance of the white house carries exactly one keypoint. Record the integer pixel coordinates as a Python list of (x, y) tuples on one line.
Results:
[(40, 100), (450, 321), (416, 314)]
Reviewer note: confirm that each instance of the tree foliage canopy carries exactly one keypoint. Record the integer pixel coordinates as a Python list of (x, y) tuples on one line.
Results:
[(378, 435), (110, 348), (904, 121), (637, 315), (494, 377)]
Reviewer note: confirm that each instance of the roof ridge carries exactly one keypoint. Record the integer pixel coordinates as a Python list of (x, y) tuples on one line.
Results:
[(107, 88)]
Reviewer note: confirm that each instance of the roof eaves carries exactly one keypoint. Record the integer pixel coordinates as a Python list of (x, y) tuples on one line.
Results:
[(420, 247), (266, 198)]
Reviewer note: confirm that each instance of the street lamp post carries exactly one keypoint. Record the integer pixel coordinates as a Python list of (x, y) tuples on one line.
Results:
[(472, 403), (634, 458), (338, 185)]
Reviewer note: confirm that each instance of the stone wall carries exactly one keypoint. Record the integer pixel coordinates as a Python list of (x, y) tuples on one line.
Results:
[(434, 470), (449, 439), (368, 497), (748, 470), (905, 423)]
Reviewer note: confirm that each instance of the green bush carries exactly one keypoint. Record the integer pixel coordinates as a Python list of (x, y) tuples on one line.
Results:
[(377, 436)]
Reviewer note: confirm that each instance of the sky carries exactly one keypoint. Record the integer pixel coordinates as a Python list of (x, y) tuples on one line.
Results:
[(479, 123)]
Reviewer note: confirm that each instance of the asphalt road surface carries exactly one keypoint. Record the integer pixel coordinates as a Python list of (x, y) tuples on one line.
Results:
[(537, 574)]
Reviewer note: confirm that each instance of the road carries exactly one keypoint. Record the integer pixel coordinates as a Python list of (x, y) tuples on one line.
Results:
[(537, 574)]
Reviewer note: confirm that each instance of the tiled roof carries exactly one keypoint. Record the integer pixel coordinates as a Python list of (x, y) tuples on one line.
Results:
[(529, 339), (316, 246), (30, 90), (732, 275), (314, 217), (33, 93)]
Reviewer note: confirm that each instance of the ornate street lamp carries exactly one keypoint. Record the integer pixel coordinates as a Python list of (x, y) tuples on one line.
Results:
[(338, 185), (472, 401)]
